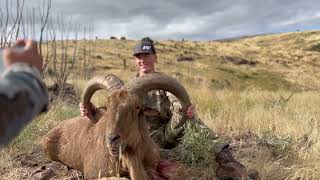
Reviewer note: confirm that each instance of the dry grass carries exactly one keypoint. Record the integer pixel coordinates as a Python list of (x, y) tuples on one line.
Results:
[(237, 112), (232, 100)]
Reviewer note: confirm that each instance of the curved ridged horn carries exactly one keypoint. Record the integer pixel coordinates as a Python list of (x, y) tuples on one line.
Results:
[(158, 81), (107, 82)]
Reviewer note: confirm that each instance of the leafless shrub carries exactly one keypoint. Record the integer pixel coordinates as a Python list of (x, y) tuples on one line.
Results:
[(57, 37), (185, 58), (113, 37), (237, 60)]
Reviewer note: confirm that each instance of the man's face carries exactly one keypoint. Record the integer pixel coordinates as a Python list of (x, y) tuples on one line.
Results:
[(145, 62)]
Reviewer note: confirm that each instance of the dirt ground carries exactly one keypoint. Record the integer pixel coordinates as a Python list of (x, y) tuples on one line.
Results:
[(34, 166)]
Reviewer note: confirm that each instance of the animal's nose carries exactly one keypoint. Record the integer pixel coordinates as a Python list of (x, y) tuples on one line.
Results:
[(112, 138)]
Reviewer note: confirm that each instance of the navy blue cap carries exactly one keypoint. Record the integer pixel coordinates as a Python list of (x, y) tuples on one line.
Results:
[(144, 47)]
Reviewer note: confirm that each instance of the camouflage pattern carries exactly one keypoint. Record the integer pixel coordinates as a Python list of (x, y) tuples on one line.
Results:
[(23, 95), (163, 111)]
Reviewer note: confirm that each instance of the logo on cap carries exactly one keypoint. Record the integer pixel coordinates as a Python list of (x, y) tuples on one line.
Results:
[(146, 47)]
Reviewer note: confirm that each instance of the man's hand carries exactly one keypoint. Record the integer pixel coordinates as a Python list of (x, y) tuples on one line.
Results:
[(29, 54), (87, 112), (191, 110)]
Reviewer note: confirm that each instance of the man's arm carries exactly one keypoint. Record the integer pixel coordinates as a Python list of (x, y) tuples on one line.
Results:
[(171, 132), (22, 96)]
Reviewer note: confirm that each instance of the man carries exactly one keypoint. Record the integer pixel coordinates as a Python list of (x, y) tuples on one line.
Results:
[(162, 109), (23, 95)]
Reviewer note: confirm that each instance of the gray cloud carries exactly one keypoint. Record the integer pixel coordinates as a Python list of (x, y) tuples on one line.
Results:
[(190, 19)]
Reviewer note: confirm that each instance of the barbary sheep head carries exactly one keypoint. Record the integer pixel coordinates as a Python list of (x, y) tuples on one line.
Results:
[(123, 110)]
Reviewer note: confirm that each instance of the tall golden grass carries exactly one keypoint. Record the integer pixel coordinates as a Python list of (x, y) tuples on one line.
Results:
[(276, 97)]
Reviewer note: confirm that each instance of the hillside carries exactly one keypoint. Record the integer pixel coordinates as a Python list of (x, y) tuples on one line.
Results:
[(271, 62)]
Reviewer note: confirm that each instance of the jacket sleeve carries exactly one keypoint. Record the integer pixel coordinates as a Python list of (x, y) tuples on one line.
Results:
[(171, 132), (23, 95)]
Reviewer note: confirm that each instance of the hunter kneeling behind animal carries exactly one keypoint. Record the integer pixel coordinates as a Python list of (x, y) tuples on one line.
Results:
[(163, 114)]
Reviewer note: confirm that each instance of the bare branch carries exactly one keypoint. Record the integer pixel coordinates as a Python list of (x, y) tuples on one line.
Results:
[(5, 28), (44, 20), (19, 18)]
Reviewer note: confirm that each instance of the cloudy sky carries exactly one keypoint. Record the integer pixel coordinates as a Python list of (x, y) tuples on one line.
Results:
[(191, 19)]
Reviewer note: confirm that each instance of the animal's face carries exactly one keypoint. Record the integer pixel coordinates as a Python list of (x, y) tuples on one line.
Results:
[(123, 128)]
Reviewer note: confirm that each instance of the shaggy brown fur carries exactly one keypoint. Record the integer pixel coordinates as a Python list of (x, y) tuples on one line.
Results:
[(94, 148)]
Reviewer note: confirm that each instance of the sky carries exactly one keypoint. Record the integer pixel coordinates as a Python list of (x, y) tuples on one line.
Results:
[(190, 19)]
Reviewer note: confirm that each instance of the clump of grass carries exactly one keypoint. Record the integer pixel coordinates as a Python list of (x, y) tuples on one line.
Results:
[(315, 47), (199, 145), (279, 145), (65, 111), (220, 84)]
